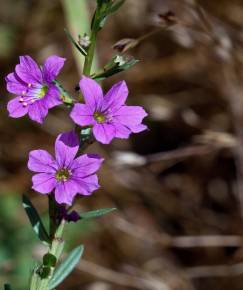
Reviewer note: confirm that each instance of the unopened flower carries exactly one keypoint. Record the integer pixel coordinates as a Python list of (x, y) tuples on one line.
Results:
[(66, 175), (84, 41), (108, 114), (63, 213), (34, 88)]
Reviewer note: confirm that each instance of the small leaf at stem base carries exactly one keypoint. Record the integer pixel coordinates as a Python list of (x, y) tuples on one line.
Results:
[(66, 267)]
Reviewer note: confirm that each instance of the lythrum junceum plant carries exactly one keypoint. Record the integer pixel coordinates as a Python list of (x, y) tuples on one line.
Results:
[(69, 172)]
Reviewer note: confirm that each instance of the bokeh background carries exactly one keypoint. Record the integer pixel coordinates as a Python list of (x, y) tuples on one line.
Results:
[(177, 186)]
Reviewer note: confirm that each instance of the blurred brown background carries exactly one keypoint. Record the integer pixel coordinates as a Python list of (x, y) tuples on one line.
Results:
[(178, 186)]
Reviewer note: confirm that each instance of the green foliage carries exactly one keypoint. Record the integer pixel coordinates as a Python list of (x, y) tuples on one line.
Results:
[(66, 267), (96, 213), (116, 6), (79, 48), (104, 8), (116, 65), (35, 220)]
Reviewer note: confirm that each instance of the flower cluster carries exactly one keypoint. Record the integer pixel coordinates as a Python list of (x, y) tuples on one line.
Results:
[(67, 174)]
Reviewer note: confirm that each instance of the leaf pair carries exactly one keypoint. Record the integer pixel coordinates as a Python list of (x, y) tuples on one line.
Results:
[(38, 225)]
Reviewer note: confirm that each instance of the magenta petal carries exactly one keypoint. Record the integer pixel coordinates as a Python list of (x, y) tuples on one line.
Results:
[(16, 109), (85, 165), (130, 115), (116, 96), (38, 111), (52, 67), (138, 128), (14, 84), (66, 148), (41, 161), (82, 115), (122, 131), (104, 133), (52, 97), (88, 184), (92, 93), (28, 70), (65, 192), (43, 182)]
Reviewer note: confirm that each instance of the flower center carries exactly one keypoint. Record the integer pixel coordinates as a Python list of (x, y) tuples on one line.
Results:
[(63, 174), (99, 117), (43, 92), (33, 94)]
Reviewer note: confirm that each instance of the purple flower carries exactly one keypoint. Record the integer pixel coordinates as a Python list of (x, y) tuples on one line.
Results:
[(34, 88), (108, 114), (64, 174)]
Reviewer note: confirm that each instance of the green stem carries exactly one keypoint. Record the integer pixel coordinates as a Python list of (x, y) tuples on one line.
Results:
[(55, 248), (57, 244), (90, 54), (39, 281), (52, 216)]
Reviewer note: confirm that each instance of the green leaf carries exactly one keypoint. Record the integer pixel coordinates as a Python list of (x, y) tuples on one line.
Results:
[(66, 267), (116, 68), (116, 6), (7, 287), (79, 48), (35, 220), (96, 213)]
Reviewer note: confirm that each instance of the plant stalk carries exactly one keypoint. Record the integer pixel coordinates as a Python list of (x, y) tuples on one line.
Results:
[(90, 54)]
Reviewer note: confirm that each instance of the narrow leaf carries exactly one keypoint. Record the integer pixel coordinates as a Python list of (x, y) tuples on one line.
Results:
[(96, 213), (79, 48), (35, 220), (115, 70), (116, 6), (66, 267), (7, 287)]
